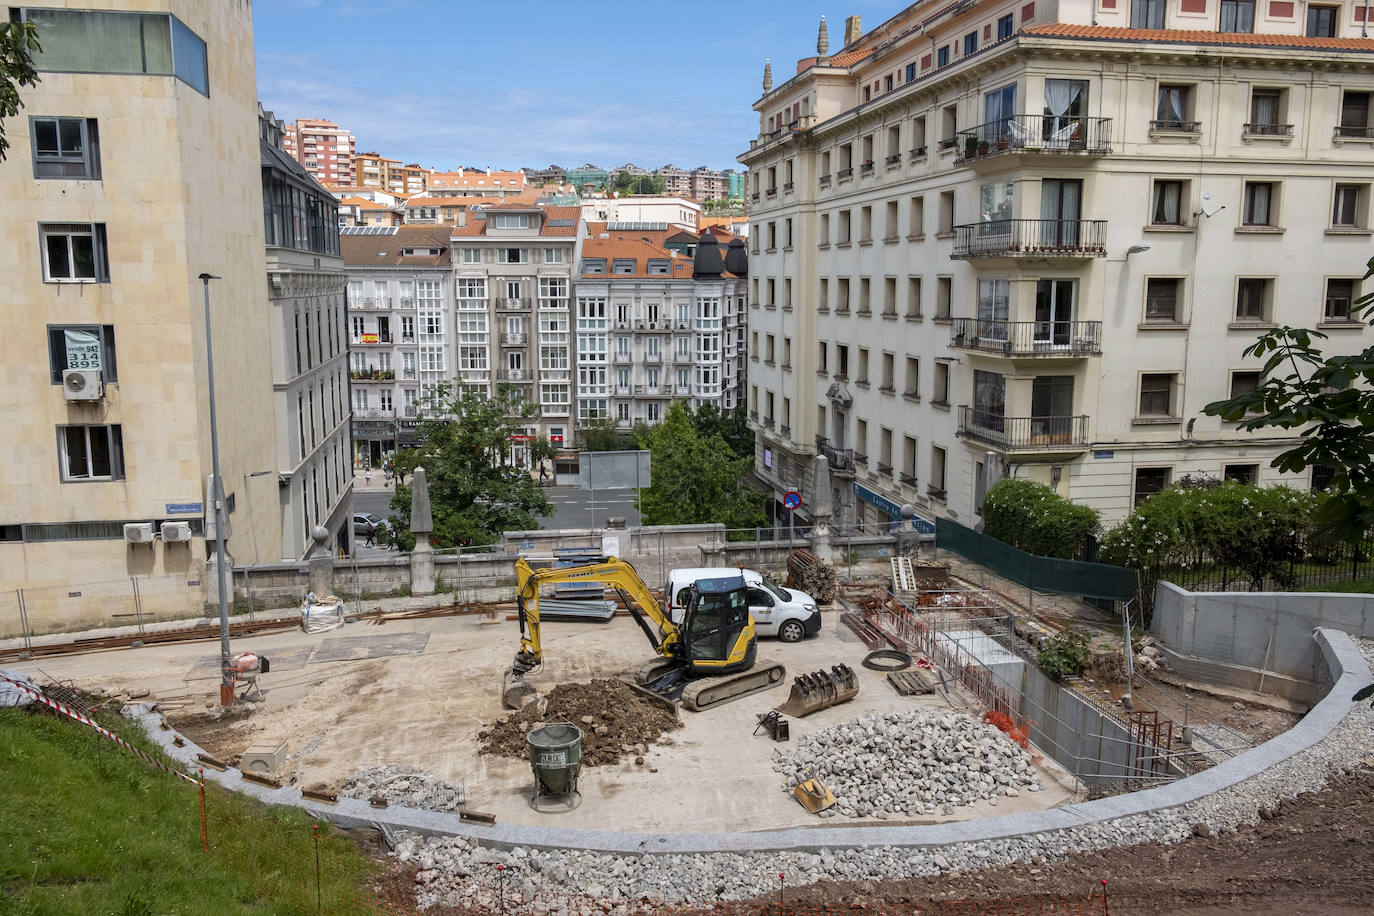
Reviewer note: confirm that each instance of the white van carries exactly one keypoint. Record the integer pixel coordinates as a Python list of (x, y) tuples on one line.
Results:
[(786, 613)]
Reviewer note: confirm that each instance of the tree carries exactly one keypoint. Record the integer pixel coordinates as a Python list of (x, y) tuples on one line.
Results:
[(696, 478), (404, 461), (600, 435), (1328, 398), (18, 45), (731, 426), (476, 492), (1034, 518)]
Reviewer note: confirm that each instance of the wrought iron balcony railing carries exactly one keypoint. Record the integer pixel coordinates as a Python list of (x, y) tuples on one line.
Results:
[(997, 238), (1023, 433), (1027, 338), (1035, 134)]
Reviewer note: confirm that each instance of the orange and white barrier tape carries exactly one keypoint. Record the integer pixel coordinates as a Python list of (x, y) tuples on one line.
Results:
[(87, 720)]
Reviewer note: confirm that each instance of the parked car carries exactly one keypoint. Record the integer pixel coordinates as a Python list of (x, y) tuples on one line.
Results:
[(786, 613), (365, 523)]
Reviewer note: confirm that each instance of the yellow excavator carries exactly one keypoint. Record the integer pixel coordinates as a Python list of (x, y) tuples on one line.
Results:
[(704, 661)]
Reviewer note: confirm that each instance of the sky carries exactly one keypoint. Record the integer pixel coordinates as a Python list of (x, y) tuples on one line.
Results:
[(526, 83)]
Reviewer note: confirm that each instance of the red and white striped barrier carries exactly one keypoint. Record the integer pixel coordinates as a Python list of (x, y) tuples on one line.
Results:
[(87, 720)]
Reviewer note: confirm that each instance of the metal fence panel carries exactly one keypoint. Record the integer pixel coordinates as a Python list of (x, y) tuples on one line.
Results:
[(1047, 574)]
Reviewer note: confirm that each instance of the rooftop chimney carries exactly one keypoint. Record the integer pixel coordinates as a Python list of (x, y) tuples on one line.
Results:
[(853, 30)]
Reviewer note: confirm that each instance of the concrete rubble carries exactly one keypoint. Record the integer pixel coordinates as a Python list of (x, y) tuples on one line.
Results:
[(454, 871), (406, 786), (914, 762)]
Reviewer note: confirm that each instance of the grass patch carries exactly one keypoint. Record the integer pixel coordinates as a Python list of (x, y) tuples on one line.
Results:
[(1345, 585), (94, 832)]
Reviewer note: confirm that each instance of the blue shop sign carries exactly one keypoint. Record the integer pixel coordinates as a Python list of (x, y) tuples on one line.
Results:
[(893, 510)]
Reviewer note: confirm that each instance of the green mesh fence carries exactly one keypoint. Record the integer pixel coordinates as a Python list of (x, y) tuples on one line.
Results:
[(1046, 574)]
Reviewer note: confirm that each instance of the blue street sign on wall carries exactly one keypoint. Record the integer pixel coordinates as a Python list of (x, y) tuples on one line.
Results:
[(894, 511)]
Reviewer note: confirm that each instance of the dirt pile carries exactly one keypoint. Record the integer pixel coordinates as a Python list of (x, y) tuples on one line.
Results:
[(616, 721)]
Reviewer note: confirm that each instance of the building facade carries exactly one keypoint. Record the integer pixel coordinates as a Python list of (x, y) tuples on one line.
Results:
[(324, 148), (108, 452), (400, 322), (470, 183), (308, 322), (1009, 239), (676, 211)]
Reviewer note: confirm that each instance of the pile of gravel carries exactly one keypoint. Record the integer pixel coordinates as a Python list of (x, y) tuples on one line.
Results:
[(533, 882), (405, 786), (914, 762)]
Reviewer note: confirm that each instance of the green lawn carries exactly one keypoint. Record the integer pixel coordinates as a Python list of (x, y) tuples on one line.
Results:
[(1347, 585), (88, 833)]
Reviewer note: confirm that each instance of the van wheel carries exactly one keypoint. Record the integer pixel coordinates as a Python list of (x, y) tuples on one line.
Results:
[(791, 632)]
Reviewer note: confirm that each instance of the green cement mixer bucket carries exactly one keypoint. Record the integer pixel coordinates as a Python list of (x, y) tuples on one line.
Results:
[(556, 759)]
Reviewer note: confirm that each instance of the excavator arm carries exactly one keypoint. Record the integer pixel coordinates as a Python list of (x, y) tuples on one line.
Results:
[(614, 572)]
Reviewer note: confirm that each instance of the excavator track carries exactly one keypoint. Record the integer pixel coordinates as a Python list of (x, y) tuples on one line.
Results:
[(710, 692)]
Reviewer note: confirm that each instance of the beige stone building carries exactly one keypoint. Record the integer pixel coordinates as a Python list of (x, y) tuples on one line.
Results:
[(1033, 239), (135, 167)]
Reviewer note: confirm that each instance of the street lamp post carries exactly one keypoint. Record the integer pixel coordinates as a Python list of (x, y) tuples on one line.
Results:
[(226, 685)]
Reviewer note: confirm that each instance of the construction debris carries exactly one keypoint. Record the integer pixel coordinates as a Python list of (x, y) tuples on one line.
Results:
[(409, 787), (805, 572)]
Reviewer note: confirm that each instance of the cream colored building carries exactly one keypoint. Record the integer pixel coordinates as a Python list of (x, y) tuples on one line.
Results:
[(120, 189), (1010, 238)]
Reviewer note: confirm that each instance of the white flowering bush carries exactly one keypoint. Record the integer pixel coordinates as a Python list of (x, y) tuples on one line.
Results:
[(1034, 518)]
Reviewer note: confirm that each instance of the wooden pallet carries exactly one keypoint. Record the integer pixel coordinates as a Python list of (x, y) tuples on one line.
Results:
[(912, 682), (871, 635)]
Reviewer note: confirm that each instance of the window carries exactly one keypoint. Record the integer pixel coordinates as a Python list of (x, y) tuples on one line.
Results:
[(1147, 14), (1166, 205), (913, 378), (472, 256), (937, 471), (1267, 113), (82, 346), (970, 43), (889, 384), (824, 352), (842, 361), (513, 255), (1339, 295), (941, 395), (1259, 204), (913, 298), (65, 148), (1148, 482), (917, 212), (1354, 115), (74, 252), (623, 266), (509, 220), (946, 212), (1162, 300), (1347, 211), (1237, 15), (862, 379), (825, 230), (1321, 21), (593, 265), (1173, 108), (1322, 476), (1005, 26), (1157, 394), (1252, 298), (1244, 383), (944, 293), (554, 255), (942, 57), (84, 41), (91, 452)]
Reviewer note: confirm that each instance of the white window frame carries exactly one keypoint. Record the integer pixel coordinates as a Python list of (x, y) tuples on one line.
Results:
[(114, 434), (70, 231)]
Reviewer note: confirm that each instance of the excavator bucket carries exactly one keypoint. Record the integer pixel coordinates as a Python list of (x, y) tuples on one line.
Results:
[(814, 795), (820, 689), (515, 693)]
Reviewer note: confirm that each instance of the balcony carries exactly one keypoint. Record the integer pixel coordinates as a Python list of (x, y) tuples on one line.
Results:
[(918, 153), (1034, 135), (1267, 129), (622, 359), (683, 391), (1024, 434), (894, 159), (787, 187), (909, 480), (1027, 338), (371, 340), (512, 340), (841, 460), (512, 304), (682, 325), (866, 168), (514, 375), (412, 410), (407, 338), (785, 430), (842, 174), (375, 413), (369, 302), (1352, 132), (1175, 126), (772, 192), (823, 181), (373, 375), (652, 325), (653, 359), (682, 359), (1031, 238)]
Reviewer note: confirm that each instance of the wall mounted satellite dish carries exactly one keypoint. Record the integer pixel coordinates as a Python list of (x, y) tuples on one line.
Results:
[(1210, 207)]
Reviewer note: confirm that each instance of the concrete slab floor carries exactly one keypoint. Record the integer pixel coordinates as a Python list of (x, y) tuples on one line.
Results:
[(355, 703)]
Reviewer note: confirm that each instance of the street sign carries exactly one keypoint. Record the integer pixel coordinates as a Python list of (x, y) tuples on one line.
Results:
[(791, 500)]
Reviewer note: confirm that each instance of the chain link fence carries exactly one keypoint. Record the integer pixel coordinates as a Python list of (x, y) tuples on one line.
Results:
[(136, 601)]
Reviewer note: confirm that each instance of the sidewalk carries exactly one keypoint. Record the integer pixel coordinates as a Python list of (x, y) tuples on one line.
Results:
[(377, 483)]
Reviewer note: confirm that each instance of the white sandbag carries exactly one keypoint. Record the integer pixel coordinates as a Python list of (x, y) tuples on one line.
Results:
[(320, 615), (11, 695)]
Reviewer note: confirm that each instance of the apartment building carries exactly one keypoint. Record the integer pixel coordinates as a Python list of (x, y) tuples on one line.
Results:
[(589, 177), (554, 174), (655, 325), (400, 322), (708, 184), (1008, 238), (323, 147), (307, 323), (473, 183), (371, 170), (513, 270), (676, 182), (107, 455), (676, 211), (359, 211)]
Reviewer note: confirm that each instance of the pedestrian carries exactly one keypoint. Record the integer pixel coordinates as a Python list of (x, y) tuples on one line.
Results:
[(371, 536), (543, 472), (367, 477)]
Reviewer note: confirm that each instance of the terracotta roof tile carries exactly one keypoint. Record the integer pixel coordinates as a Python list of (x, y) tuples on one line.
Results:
[(641, 252), (1182, 36), (385, 250), (477, 228)]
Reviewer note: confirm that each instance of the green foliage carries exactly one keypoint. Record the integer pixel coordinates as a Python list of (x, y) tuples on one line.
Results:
[(1034, 518), (93, 829), (697, 478), (625, 184), (731, 426), (475, 492), (404, 461), (18, 45), (601, 435), (1065, 655), (1331, 401)]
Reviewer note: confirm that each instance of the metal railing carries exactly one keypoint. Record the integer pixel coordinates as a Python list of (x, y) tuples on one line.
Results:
[(1022, 433), (844, 173), (1268, 130), (510, 303), (841, 460), (1036, 134), (918, 153), (1353, 132), (1174, 126), (511, 340), (1079, 238), (1027, 338)]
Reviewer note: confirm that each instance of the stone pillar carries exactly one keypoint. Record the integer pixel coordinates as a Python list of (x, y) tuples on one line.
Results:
[(421, 525), (822, 512), (321, 563)]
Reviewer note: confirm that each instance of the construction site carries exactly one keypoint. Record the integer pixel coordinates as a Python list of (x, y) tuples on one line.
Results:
[(904, 717)]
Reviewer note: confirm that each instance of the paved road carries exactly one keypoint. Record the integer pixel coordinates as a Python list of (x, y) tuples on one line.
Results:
[(574, 508)]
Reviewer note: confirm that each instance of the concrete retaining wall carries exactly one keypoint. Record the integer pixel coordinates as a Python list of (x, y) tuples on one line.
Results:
[(1254, 640), (1090, 745), (1345, 672)]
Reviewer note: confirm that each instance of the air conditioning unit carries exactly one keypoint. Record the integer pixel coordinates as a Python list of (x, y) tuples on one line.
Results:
[(82, 384), (176, 532), (138, 533)]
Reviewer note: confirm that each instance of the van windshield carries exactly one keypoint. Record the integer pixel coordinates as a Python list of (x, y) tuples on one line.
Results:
[(782, 593)]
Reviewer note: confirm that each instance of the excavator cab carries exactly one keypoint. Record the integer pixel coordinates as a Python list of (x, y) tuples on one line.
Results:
[(717, 632)]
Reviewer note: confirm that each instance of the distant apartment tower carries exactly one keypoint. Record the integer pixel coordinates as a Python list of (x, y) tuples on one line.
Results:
[(134, 168), (371, 170), (708, 184), (323, 147), (675, 211), (588, 177), (473, 183), (676, 182)]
